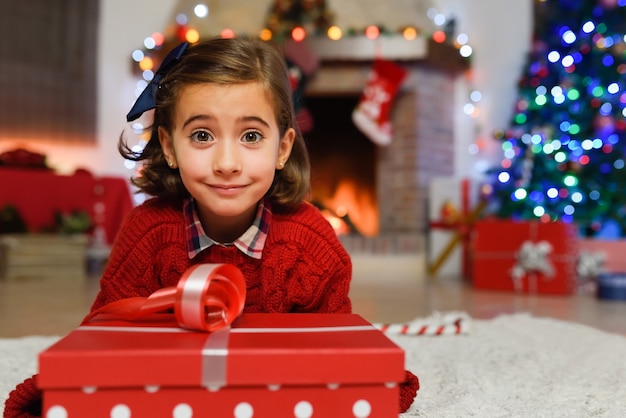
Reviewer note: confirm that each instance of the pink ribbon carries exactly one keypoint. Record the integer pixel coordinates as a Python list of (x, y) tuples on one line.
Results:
[(208, 297)]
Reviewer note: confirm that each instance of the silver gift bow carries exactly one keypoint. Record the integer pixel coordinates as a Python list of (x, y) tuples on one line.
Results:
[(590, 264), (533, 258)]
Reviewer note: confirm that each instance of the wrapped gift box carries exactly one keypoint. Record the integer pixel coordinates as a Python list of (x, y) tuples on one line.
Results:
[(612, 286), (611, 252), (525, 256), (454, 206), (264, 365)]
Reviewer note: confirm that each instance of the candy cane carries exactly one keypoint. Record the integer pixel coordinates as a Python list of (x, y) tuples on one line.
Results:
[(451, 324)]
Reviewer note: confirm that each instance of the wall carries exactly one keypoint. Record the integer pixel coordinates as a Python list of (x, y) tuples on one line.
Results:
[(123, 26), (499, 32)]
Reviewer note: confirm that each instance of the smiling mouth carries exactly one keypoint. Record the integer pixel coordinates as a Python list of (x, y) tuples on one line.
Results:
[(227, 186), (227, 189)]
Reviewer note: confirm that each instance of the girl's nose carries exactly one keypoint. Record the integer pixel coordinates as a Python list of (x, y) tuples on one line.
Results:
[(226, 158)]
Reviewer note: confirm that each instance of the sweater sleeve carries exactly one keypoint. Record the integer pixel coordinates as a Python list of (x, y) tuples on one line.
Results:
[(333, 267), (311, 269), (320, 283), (136, 266), (334, 273)]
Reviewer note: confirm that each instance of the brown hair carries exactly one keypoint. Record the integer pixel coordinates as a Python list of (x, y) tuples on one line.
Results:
[(224, 61)]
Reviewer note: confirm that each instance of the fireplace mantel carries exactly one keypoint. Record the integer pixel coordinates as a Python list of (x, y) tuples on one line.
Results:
[(354, 49), (345, 64), (362, 48)]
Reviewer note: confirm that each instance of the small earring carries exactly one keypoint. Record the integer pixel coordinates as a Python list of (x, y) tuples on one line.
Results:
[(281, 164), (171, 164)]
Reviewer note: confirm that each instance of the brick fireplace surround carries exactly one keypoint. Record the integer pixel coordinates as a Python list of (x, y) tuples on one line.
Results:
[(423, 145)]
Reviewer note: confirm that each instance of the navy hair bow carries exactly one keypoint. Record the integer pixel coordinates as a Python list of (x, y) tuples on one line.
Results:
[(147, 98)]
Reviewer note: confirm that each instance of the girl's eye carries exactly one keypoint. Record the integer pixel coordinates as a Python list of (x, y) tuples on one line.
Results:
[(252, 137), (201, 136)]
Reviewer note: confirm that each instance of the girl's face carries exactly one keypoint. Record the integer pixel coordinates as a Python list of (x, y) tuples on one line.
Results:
[(226, 145)]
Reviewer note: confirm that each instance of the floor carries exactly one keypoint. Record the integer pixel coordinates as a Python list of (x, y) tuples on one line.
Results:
[(385, 289)]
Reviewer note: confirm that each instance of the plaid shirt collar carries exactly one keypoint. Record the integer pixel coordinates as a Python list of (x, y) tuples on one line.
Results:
[(250, 243)]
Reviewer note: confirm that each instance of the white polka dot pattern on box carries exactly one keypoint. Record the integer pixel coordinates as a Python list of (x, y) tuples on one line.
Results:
[(303, 409), (362, 409), (182, 410), (56, 411), (120, 411), (244, 410)]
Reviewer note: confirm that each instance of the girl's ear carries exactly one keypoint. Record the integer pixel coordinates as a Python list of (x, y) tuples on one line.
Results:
[(167, 145), (284, 148)]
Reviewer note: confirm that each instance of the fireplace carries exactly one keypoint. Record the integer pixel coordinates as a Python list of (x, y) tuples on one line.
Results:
[(376, 196), (343, 165)]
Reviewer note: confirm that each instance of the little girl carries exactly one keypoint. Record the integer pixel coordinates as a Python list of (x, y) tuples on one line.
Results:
[(229, 172)]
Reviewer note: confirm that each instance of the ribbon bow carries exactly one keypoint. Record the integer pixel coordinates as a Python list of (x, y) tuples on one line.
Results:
[(208, 297), (533, 257), (590, 264), (147, 98)]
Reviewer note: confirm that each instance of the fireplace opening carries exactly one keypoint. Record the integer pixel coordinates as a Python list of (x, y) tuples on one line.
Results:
[(343, 166)]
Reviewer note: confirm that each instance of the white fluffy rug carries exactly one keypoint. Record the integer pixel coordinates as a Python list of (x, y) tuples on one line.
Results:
[(510, 366)]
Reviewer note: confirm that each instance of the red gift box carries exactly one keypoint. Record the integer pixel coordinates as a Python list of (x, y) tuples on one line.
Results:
[(611, 253), (525, 256), (263, 365)]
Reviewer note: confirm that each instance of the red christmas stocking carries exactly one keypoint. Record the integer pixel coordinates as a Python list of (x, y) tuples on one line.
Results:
[(371, 114)]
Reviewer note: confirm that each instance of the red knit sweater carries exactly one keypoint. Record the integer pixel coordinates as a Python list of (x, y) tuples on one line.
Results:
[(304, 268)]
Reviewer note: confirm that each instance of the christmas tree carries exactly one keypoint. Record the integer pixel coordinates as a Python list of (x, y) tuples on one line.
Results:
[(564, 153)]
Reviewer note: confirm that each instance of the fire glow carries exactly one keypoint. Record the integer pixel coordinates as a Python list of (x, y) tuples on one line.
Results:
[(350, 210)]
